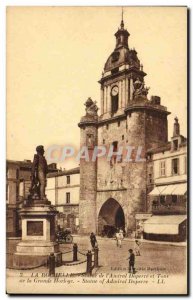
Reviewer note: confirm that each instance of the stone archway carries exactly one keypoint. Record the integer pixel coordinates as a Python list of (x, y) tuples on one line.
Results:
[(111, 213)]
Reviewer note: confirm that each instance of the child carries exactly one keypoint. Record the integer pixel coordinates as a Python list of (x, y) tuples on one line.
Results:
[(131, 261), (137, 248)]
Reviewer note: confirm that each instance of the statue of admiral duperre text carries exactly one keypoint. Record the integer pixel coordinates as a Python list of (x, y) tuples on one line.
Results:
[(39, 172)]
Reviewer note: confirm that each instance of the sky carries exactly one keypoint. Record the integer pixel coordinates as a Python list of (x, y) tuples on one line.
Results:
[(55, 57)]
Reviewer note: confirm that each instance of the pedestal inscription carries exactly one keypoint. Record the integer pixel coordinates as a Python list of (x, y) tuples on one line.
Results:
[(35, 228)]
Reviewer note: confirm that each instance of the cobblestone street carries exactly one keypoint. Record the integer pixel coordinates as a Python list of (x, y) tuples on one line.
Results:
[(157, 259), (167, 257), (171, 258)]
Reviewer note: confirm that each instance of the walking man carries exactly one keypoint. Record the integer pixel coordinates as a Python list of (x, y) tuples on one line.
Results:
[(131, 259)]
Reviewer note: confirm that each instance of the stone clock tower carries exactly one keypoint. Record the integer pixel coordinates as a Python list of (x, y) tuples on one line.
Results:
[(113, 191)]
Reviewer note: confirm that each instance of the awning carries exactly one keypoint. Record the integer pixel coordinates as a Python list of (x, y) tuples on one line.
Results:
[(180, 189), (163, 224), (157, 190), (168, 190), (172, 189)]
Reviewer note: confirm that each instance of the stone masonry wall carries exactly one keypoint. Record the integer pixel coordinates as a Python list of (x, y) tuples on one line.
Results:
[(88, 179)]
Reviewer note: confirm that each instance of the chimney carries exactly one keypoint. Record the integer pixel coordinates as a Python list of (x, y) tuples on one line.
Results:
[(176, 131)]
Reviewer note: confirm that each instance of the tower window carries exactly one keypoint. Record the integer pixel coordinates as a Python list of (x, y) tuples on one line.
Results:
[(90, 141), (118, 124), (103, 141), (107, 126), (115, 146), (115, 56), (115, 99), (122, 137)]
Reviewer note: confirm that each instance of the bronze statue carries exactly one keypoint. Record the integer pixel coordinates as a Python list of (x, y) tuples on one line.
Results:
[(39, 172)]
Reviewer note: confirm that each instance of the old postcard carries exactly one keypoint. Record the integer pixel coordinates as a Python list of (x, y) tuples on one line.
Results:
[(96, 186)]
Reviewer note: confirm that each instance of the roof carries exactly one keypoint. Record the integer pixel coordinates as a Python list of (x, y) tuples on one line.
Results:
[(28, 164), (64, 172), (166, 147), (22, 163), (121, 56)]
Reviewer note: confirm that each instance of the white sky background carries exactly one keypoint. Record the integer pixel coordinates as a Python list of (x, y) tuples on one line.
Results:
[(56, 55)]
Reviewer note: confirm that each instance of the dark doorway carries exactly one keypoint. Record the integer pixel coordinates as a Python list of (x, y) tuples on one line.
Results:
[(119, 218), (111, 213)]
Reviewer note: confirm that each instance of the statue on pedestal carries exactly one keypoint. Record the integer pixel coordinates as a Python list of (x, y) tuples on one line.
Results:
[(91, 107), (39, 172), (140, 91)]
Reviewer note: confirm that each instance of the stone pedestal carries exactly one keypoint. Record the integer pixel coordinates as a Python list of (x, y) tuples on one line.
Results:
[(38, 235)]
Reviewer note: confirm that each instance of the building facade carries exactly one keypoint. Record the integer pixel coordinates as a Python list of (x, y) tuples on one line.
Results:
[(167, 183), (18, 176), (63, 192), (114, 191), (16, 172)]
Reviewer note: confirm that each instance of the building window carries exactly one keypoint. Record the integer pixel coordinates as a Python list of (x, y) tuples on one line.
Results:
[(175, 145), (150, 178), (185, 165), (122, 137), (162, 168), (68, 179), (103, 141), (67, 198), (118, 124), (17, 174), (107, 126), (174, 198), (7, 172), (162, 200), (7, 193), (175, 166)]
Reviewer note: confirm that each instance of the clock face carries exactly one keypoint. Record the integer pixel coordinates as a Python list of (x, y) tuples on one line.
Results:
[(115, 90)]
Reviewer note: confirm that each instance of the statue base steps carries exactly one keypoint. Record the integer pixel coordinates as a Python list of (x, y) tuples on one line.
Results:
[(38, 236)]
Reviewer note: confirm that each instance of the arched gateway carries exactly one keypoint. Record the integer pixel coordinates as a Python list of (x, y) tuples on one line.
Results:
[(111, 213)]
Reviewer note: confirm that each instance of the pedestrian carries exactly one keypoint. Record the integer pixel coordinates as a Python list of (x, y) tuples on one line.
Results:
[(119, 237), (131, 259), (93, 240), (137, 248)]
